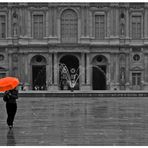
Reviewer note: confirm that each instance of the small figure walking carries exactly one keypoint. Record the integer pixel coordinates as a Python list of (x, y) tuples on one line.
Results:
[(10, 97)]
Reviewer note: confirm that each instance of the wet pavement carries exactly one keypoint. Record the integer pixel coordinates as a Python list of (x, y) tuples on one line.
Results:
[(77, 121)]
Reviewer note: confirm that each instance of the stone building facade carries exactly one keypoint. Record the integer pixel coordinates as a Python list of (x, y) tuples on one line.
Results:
[(105, 44)]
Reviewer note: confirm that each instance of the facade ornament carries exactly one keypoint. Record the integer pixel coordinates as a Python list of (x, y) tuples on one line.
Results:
[(122, 75), (15, 23), (122, 24), (15, 57)]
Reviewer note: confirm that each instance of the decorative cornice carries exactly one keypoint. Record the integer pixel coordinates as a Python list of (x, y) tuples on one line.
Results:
[(136, 5), (99, 5)]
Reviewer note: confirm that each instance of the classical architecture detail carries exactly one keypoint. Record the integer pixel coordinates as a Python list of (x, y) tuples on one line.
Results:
[(75, 46), (122, 69), (15, 23), (1, 57)]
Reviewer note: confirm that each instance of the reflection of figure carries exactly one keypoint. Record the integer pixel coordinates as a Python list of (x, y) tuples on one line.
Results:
[(11, 105), (10, 138)]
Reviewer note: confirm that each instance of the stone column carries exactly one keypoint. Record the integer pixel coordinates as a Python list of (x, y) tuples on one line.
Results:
[(9, 24), (82, 22), (108, 22), (25, 21), (82, 69), (27, 78), (88, 72), (90, 24), (127, 24), (29, 26), (50, 21), (117, 22), (49, 72), (55, 21), (118, 71), (113, 16), (146, 71), (85, 71), (56, 67), (47, 24), (21, 24), (146, 22), (9, 63), (82, 72), (127, 72)]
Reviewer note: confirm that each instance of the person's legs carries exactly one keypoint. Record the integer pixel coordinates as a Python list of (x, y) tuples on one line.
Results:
[(11, 111)]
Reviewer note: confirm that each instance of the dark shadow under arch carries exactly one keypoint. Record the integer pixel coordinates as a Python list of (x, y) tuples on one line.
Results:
[(99, 79), (38, 63)]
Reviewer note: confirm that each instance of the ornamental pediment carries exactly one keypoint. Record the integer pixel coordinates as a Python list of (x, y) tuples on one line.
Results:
[(137, 68)]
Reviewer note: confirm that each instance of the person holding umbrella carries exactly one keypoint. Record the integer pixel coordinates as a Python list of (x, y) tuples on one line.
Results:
[(8, 86), (10, 97)]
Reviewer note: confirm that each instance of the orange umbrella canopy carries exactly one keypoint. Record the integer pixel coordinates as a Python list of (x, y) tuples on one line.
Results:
[(8, 83)]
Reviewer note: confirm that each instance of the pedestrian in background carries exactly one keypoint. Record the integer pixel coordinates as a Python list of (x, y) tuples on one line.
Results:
[(10, 97)]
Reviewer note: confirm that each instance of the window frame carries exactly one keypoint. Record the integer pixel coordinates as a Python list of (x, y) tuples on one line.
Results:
[(35, 13), (136, 83), (76, 23), (98, 24), (5, 15), (136, 14), (101, 13)]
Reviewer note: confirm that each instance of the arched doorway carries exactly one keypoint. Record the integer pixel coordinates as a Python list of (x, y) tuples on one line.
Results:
[(99, 67), (38, 72), (69, 70)]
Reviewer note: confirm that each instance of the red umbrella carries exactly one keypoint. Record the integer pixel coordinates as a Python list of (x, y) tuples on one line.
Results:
[(8, 83)]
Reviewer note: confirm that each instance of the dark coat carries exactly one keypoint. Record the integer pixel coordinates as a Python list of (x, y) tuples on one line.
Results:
[(10, 96)]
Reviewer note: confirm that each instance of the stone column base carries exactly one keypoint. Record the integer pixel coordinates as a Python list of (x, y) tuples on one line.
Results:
[(85, 87), (53, 88), (145, 86)]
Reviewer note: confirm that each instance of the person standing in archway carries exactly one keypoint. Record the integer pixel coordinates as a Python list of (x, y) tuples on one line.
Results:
[(11, 105)]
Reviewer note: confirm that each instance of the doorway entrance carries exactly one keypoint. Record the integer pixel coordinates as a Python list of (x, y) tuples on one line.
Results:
[(38, 65), (99, 78), (99, 69), (39, 77)]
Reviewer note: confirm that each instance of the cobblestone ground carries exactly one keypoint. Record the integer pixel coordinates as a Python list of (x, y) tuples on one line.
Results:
[(77, 121)]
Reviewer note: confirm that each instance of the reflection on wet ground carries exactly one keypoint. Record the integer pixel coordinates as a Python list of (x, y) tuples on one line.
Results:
[(10, 138), (77, 121)]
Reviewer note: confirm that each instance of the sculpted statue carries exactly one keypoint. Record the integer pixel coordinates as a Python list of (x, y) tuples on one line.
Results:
[(122, 24), (15, 23)]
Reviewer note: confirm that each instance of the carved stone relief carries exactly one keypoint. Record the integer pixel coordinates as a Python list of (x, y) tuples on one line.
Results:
[(15, 23), (122, 69)]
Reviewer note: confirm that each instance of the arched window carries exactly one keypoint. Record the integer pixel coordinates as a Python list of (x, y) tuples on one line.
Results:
[(69, 26)]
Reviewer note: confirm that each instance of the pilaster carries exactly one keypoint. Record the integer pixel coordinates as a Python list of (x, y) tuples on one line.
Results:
[(49, 72), (56, 67), (29, 24), (82, 69), (9, 23)]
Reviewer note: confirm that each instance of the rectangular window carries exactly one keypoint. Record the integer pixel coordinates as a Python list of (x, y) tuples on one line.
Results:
[(2, 27), (136, 79), (99, 27), (38, 26), (136, 27)]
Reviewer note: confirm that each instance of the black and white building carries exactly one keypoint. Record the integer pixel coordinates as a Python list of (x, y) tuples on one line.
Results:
[(107, 43)]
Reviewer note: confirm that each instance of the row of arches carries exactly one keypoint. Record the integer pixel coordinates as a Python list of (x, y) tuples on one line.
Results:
[(69, 66)]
